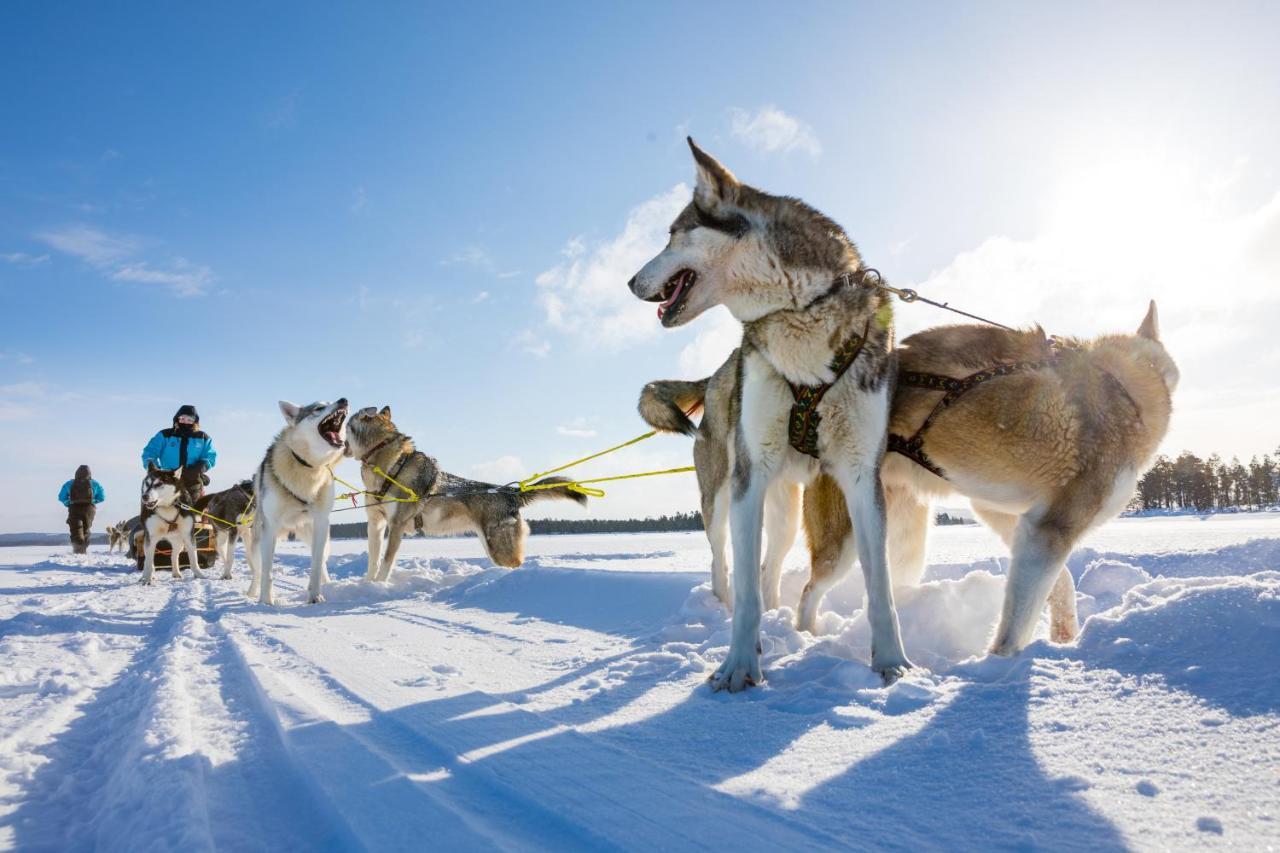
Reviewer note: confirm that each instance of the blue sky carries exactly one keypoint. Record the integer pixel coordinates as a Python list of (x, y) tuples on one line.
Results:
[(438, 208)]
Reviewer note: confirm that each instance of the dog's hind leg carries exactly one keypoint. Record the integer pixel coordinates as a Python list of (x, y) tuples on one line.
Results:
[(1004, 524), (229, 552), (261, 583), (865, 497), (715, 515), (377, 527), (1064, 624), (1041, 545), (782, 524), (831, 547), (319, 524), (908, 520)]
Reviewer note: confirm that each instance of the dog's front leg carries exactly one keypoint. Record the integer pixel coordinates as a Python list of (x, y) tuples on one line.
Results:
[(741, 668), (149, 548), (377, 527), (319, 556), (261, 583), (175, 544), (865, 496), (192, 557)]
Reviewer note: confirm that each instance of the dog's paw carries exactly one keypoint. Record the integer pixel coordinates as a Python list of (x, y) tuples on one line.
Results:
[(267, 600), (737, 673), (225, 577), (892, 670), (318, 598)]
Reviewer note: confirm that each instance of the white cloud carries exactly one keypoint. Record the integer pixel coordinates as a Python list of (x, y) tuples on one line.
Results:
[(576, 428), (17, 356), (770, 130), (89, 244), (531, 343), (183, 278), (470, 256), (482, 296), (504, 469), (115, 255), (587, 296), (22, 259)]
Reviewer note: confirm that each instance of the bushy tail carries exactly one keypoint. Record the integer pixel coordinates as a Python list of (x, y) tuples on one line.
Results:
[(527, 498), (667, 403)]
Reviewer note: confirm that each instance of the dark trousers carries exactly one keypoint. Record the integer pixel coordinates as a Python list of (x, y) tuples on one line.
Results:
[(80, 520)]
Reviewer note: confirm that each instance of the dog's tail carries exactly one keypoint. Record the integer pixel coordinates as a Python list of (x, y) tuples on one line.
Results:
[(666, 404), (527, 498)]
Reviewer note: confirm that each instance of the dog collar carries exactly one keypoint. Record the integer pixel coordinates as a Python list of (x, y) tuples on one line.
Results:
[(381, 444)]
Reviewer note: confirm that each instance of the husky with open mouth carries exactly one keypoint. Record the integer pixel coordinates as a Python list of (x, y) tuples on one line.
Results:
[(294, 489), (815, 377)]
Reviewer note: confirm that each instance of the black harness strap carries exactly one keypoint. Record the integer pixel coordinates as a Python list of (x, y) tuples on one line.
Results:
[(913, 447), (802, 428), (395, 472)]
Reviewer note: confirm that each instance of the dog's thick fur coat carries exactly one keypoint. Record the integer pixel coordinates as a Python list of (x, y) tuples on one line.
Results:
[(164, 517), (1044, 455), (294, 489), (446, 503), (785, 271)]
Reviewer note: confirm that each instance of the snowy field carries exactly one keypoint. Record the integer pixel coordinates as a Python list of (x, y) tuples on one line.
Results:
[(562, 706)]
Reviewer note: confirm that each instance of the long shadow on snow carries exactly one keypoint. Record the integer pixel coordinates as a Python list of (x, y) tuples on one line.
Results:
[(34, 623), (104, 788), (968, 780)]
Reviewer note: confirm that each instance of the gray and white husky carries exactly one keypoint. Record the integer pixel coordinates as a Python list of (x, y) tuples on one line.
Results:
[(294, 488), (165, 517), (446, 503), (225, 509), (816, 377)]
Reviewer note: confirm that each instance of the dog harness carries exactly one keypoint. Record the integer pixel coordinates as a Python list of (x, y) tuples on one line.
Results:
[(802, 427), (913, 446)]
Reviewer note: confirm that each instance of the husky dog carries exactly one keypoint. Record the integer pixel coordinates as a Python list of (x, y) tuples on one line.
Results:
[(164, 516), (121, 533), (446, 503), (814, 378), (1048, 443), (230, 505), (294, 488)]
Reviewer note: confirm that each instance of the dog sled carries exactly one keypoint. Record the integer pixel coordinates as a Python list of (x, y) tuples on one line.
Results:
[(206, 549)]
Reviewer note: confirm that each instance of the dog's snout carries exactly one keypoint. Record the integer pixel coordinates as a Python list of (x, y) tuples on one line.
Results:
[(632, 284), (342, 403)]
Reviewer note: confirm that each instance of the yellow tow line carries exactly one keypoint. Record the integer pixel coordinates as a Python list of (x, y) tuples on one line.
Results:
[(582, 486)]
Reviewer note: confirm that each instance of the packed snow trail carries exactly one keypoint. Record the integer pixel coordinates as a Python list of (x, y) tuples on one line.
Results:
[(563, 706)]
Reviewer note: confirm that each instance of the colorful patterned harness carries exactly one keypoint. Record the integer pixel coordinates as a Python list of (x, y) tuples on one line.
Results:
[(802, 429)]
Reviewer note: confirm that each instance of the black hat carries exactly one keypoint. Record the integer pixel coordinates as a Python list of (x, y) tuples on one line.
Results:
[(186, 409), (82, 473)]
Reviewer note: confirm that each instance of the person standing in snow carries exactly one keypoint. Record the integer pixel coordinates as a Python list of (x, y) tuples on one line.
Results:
[(184, 446), (80, 496)]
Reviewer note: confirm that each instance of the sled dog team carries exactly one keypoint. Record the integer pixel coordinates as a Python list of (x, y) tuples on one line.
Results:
[(817, 418)]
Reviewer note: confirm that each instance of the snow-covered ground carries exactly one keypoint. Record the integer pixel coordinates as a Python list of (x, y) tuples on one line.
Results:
[(562, 706)]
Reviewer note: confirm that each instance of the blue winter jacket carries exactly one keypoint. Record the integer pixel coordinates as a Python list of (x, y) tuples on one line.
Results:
[(165, 449), (65, 495)]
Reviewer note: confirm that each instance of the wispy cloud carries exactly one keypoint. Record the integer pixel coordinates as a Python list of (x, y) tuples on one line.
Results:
[(115, 256), (16, 356), (482, 296), (586, 295), (576, 428), (504, 469), (359, 201), (535, 345), (22, 259), (771, 130), (471, 256)]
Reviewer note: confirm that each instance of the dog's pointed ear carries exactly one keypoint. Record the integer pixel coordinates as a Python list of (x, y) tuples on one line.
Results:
[(289, 410), (716, 184), (151, 467), (1150, 328), (385, 413)]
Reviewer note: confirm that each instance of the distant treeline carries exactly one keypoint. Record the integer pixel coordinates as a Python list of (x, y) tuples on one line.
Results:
[(660, 524), (1190, 482)]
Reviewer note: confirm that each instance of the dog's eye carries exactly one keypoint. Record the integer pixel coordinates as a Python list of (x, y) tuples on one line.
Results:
[(733, 224)]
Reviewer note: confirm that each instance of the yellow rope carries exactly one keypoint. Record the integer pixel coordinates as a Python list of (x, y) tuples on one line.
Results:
[(412, 496), (579, 486)]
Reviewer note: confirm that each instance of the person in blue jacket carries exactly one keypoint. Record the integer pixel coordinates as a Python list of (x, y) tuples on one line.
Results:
[(184, 446), (80, 496)]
